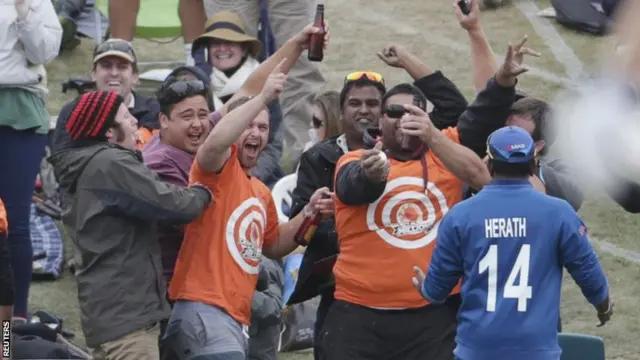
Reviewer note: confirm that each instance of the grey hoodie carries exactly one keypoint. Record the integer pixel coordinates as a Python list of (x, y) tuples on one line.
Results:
[(111, 205)]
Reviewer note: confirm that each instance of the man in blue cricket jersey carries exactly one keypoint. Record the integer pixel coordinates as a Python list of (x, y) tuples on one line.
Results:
[(509, 244)]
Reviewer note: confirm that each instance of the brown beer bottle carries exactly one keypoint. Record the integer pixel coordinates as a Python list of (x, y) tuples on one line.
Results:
[(316, 41)]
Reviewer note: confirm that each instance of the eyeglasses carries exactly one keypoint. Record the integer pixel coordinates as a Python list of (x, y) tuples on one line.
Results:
[(116, 45), (369, 75), (395, 111), (173, 90), (317, 123)]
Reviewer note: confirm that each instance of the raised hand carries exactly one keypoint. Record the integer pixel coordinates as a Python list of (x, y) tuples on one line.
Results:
[(469, 22), (302, 38), (375, 164), (274, 85), (416, 122), (394, 55), (512, 65)]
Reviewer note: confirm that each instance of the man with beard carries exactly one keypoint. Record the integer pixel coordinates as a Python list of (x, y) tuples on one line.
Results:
[(115, 68), (217, 269), (112, 205), (360, 101), (387, 213)]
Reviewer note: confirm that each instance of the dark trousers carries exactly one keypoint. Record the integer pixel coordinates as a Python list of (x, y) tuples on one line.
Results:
[(355, 332), (326, 299), (20, 156)]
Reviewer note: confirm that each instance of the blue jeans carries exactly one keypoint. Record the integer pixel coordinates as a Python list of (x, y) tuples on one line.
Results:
[(20, 156)]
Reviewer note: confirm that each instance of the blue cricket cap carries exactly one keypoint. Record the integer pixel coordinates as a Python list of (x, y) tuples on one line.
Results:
[(511, 144)]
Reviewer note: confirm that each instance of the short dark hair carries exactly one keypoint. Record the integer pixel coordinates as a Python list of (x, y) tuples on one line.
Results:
[(361, 82), (515, 170), (167, 98), (405, 88), (540, 112)]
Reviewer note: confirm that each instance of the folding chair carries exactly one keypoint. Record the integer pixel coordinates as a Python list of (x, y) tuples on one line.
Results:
[(581, 347), (281, 193)]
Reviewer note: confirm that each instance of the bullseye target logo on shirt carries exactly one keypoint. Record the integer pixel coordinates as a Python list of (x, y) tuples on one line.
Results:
[(406, 216), (245, 234)]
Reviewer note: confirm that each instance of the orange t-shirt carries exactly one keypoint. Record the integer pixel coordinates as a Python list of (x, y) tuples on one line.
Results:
[(144, 136), (380, 243), (220, 255), (4, 226)]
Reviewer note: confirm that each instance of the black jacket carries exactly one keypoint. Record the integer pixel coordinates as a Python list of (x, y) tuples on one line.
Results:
[(316, 170), (145, 110), (629, 198), (6, 275), (490, 112)]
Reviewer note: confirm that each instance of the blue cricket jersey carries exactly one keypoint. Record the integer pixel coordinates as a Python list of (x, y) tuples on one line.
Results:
[(510, 243)]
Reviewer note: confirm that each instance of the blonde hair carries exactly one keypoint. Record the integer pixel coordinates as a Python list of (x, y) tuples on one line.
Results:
[(329, 103)]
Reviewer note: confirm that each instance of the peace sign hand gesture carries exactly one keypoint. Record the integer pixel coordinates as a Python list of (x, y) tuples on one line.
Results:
[(512, 65)]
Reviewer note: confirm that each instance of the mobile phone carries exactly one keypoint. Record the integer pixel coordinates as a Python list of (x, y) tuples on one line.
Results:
[(464, 7)]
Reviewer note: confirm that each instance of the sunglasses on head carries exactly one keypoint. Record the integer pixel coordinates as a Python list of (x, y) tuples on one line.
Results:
[(369, 75), (317, 123), (118, 45), (177, 90)]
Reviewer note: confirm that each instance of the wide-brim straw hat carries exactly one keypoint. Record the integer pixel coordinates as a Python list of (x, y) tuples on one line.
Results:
[(228, 26)]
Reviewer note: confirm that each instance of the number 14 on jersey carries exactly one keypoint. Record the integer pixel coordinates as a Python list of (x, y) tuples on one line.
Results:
[(519, 271)]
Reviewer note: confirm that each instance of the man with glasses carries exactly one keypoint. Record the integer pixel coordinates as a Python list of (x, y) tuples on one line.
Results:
[(389, 204), (112, 207), (115, 69), (360, 104)]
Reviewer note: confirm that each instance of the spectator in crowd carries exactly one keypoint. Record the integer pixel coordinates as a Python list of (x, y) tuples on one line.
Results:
[(325, 122), (216, 272), (537, 236), (112, 205), (115, 68), (231, 58), (360, 103), (30, 39), (6, 275), (184, 109), (305, 79), (531, 114), (366, 180), (123, 15), (266, 311)]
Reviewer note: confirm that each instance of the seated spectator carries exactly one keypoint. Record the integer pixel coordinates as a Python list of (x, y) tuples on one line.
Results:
[(325, 122), (112, 205), (115, 68), (30, 36), (232, 55), (231, 58)]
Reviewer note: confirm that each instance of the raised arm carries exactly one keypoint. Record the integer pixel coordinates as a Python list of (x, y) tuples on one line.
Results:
[(286, 57), (448, 102), (491, 108), (460, 160), (483, 61), (215, 151), (39, 30)]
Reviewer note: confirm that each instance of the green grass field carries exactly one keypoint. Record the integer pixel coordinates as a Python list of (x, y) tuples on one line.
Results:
[(428, 28)]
